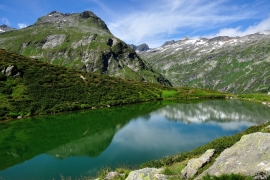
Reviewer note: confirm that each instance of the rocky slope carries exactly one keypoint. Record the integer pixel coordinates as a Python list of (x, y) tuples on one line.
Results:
[(232, 64), (5, 28), (81, 41)]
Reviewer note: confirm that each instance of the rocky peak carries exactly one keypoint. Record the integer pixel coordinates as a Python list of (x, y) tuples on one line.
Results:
[(169, 43), (88, 14), (5, 28), (220, 38), (185, 39), (142, 47), (70, 20)]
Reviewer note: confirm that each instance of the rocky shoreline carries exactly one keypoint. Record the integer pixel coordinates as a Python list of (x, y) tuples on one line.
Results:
[(249, 157)]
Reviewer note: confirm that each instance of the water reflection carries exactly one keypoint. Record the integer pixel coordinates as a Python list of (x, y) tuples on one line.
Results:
[(80, 143), (231, 114)]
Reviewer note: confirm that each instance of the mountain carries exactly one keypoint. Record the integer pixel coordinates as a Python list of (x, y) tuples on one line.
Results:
[(31, 87), (142, 47), (5, 28), (231, 64), (81, 41)]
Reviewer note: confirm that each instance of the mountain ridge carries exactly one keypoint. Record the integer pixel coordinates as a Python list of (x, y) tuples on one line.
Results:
[(231, 64)]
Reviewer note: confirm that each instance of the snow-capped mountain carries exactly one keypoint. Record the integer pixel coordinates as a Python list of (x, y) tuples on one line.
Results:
[(233, 64)]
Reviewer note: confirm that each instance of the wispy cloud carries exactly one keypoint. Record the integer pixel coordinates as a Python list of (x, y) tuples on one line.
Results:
[(5, 21), (238, 31), (169, 18), (22, 25), (5, 8)]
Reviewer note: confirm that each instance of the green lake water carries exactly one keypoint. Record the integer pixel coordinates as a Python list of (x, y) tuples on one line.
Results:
[(81, 143)]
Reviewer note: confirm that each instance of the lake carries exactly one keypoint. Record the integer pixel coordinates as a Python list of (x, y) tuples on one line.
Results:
[(81, 143)]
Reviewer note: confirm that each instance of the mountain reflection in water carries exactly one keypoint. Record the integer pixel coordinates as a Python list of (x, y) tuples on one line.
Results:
[(80, 143)]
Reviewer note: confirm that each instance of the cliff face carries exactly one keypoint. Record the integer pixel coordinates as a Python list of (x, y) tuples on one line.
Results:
[(231, 64), (81, 41)]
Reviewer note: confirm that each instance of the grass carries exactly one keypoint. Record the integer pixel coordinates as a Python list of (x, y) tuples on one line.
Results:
[(169, 93), (259, 97)]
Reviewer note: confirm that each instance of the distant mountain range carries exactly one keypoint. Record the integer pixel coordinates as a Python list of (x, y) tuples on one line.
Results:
[(231, 64), (81, 41)]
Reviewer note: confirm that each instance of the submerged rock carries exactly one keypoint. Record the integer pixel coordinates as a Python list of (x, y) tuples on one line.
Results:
[(194, 164), (249, 157)]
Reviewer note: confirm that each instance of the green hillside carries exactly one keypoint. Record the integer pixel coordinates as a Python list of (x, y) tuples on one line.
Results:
[(33, 87), (80, 41)]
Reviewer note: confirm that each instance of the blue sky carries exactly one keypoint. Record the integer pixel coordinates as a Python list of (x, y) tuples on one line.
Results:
[(152, 21)]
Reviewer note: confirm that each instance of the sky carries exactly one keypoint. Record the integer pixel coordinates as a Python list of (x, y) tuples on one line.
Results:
[(152, 21)]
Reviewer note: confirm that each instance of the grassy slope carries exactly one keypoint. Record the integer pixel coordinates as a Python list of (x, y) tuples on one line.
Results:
[(46, 89)]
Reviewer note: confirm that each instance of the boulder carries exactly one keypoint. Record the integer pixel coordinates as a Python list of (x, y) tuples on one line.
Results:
[(194, 164), (12, 70), (249, 157), (146, 173)]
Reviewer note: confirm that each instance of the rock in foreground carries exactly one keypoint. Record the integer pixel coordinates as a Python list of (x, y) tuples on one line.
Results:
[(146, 173), (194, 164), (250, 157)]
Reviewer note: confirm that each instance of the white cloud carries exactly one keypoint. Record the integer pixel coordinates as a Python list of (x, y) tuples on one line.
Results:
[(161, 20), (22, 25), (262, 26), (5, 21)]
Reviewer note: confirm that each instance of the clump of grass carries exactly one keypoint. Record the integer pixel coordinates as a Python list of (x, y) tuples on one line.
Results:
[(227, 177), (168, 171)]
